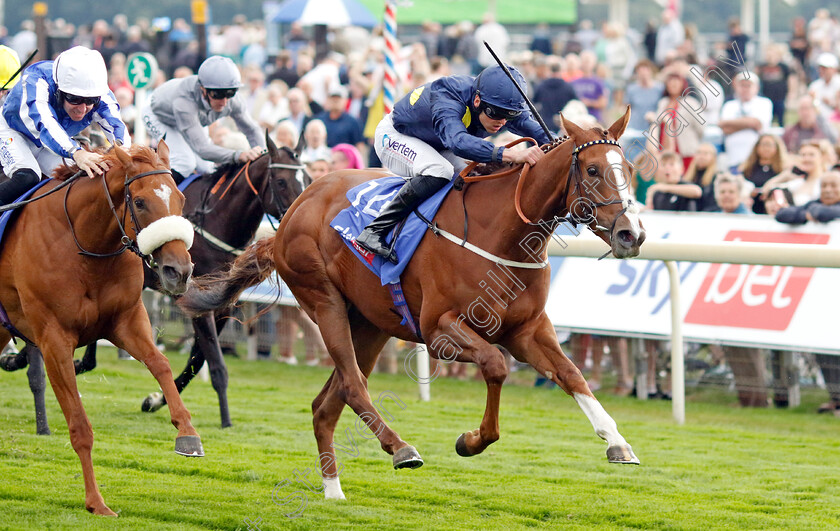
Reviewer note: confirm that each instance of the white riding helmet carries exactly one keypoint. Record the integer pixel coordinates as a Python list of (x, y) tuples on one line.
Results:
[(81, 71), (217, 72)]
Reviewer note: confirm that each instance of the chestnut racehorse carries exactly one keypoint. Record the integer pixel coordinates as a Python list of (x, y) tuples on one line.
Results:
[(66, 280), (443, 283)]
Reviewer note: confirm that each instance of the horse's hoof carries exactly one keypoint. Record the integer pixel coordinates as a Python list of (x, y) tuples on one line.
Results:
[(461, 446), (152, 403), (102, 510), (189, 445), (407, 457), (44, 431), (622, 454)]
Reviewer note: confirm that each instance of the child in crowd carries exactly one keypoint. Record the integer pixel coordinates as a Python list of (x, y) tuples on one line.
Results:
[(670, 192), (823, 210)]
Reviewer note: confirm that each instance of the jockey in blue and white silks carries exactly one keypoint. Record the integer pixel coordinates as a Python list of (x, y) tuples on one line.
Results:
[(436, 128), (54, 101)]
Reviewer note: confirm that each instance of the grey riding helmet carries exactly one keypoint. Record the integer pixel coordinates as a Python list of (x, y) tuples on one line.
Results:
[(218, 72)]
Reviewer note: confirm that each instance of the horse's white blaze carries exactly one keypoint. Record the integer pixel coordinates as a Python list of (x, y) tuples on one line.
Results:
[(164, 192), (332, 489), (604, 424), (616, 162)]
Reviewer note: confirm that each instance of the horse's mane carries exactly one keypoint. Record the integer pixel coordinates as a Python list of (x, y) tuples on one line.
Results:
[(140, 154), (487, 168)]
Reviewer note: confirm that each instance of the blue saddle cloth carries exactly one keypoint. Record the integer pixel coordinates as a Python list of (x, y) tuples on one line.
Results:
[(366, 200), (188, 181), (6, 217)]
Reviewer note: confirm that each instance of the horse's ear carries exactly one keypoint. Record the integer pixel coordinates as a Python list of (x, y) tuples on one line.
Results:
[(570, 128), (123, 156), (617, 129), (272, 147), (301, 145), (163, 152)]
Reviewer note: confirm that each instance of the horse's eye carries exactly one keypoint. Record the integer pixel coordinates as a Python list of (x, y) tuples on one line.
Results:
[(139, 203), (592, 171), (281, 185)]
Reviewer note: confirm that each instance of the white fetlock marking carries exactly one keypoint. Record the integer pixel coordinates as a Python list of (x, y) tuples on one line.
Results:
[(604, 424), (165, 230), (332, 489)]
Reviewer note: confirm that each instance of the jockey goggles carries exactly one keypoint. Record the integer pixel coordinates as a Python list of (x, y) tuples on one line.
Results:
[(72, 99), (498, 113), (221, 94)]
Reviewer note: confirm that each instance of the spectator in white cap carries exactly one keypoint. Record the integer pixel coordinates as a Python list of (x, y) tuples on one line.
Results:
[(825, 90), (743, 118)]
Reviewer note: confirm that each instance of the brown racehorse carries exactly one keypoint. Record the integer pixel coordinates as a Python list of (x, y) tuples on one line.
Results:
[(445, 286), (60, 299)]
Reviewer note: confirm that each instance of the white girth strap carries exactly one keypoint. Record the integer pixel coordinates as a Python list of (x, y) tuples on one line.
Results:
[(216, 241), (492, 257), (165, 230)]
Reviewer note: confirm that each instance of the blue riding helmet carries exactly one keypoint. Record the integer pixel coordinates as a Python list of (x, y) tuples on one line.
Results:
[(495, 88)]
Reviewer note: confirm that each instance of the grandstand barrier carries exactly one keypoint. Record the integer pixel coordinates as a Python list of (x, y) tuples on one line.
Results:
[(780, 302)]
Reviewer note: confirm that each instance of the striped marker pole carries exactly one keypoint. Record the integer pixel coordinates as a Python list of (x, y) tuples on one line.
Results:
[(389, 82)]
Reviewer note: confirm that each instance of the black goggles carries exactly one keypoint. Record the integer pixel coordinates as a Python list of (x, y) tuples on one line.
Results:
[(221, 94), (498, 113), (72, 99)]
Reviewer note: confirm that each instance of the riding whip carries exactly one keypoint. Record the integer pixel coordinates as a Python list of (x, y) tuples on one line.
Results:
[(18, 71), (522, 92)]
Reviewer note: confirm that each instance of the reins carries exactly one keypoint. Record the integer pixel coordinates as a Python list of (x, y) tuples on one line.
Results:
[(70, 180), (202, 211)]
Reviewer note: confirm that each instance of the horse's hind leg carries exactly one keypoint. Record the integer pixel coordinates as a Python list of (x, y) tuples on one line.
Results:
[(37, 383), (536, 343), (328, 405), (331, 316)]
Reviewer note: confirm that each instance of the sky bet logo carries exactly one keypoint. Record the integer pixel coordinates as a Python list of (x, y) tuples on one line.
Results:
[(399, 148), (753, 296)]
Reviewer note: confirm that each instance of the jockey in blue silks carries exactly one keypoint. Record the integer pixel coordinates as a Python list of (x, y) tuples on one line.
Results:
[(438, 127), (54, 101)]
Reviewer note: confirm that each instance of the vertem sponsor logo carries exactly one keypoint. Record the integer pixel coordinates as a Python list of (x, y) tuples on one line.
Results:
[(753, 296)]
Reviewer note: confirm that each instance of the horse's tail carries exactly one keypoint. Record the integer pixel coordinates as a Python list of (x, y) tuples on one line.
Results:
[(215, 291)]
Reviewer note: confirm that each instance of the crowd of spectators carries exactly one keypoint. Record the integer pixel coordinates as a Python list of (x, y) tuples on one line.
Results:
[(732, 128)]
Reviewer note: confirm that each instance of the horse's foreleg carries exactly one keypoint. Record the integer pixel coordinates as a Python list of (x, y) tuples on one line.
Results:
[(467, 346), (536, 343), (37, 384), (88, 361), (207, 342), (134, 334), (58, 358)]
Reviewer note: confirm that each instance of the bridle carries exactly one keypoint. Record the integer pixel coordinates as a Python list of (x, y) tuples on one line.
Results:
[(574, 178), (127, 242)]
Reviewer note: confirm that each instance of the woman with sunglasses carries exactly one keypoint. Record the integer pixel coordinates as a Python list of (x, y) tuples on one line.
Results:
[(436, 128), (54, 101), (181, 108)]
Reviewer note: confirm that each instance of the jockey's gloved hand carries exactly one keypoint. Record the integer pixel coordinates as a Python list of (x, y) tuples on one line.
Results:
[(252, 154), (92, 163), (520, 156)]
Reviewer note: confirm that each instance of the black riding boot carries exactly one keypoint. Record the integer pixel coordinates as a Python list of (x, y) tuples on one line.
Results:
[(177, 177), (413, 192), (17, 185)]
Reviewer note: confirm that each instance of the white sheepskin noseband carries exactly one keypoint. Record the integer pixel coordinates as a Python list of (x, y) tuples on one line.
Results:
[(165, 230)]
